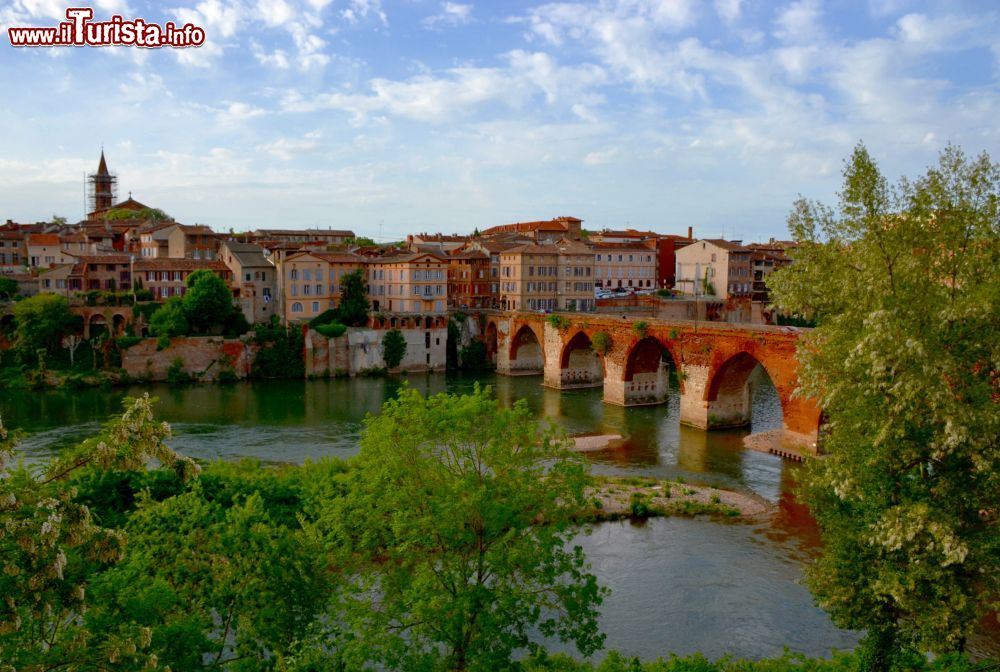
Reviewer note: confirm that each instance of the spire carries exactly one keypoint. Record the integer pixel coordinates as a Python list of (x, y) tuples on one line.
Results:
[(102, 167)]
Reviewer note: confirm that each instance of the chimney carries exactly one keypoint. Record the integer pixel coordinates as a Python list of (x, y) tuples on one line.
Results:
[(690, 232)]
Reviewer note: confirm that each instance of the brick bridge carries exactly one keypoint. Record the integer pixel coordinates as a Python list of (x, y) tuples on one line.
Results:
[(713, 360)]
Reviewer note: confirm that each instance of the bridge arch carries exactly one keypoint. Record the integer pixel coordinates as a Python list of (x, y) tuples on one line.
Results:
[(579, 364), (646, 374), (526, 353), (491, 341)]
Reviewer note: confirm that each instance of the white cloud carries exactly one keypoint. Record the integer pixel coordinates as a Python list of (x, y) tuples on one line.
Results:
[(237, 112), (600, 157), (799, 22), (287, 149), (729, 10), (452, 14), (275, 12), (360, 10)]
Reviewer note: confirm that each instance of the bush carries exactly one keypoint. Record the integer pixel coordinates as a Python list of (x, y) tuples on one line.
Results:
[(641, 328), (280, 355), (126, 342), (393, 348), (559, 322), (638, 506), (331, 329), (473, 357), (176, 372), (326, 317), (601, 343)]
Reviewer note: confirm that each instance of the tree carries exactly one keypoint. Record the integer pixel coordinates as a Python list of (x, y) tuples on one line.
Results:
[(8, 289), (50, 544), (208, 301), (354, 305), (454, 528), (903, 286), (170, 319), (41, 322), (393, 348)]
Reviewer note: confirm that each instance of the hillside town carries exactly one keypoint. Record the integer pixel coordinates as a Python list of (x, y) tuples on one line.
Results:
[(127, 246)]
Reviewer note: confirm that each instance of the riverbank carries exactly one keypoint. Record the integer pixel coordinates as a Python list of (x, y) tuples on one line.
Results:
[(633, 497)]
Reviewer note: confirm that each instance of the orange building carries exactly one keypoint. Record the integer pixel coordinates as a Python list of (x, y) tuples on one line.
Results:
[(469, 280)]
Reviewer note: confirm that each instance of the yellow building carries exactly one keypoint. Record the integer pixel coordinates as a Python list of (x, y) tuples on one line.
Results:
[(310, 282), (547, 277), (408, 283), (624, 265)]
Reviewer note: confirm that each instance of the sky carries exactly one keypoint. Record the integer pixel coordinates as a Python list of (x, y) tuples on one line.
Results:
[(390, 118)]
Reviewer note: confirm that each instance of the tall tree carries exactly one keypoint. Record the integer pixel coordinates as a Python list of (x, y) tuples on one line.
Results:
[(455, 529), (208, 301), (50, 543), (903, 285), (41, 322), (393, 348), (354, 305)]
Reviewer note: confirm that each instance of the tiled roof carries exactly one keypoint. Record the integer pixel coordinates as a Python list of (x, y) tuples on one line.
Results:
[(43, 239), (167, 264)]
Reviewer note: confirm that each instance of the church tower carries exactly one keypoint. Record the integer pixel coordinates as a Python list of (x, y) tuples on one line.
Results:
[(103, 186)]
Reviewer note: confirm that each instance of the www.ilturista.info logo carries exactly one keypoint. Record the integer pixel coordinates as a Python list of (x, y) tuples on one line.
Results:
[(80, 31)]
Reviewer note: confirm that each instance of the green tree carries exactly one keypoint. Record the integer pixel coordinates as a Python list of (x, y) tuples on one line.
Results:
[(51, 545), (170, 319), (8, 289), (455, 530), (393, 348), (280, 353), (208, 301), (41, 321), (354, 305), (903, 286)]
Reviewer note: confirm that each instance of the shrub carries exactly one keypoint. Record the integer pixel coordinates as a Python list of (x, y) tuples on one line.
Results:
[(601, 343), (473, 356), (393, 348), (326, 317), (176, 372), (638, 507), (559, 322), (126, 342), (331, 329), (641, 328)]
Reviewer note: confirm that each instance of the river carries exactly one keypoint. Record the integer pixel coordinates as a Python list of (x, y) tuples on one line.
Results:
[(678, 585)]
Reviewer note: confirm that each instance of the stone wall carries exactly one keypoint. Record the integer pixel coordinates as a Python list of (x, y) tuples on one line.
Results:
[(360, 349), (203, 357)]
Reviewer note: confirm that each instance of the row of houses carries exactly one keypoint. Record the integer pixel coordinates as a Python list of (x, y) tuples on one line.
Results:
[(297, 274)]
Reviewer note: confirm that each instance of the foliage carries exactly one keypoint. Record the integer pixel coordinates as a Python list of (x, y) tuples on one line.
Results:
[(170, 319), (708, 289), (354, 305), (454, 531), (208, 302), (49, 541), (641, 328), (152, 214), (331, 329), (8, 289), (393, 348), (326, 317), (473, 356), (665, 293), (280, 354), (41, 322), (126, 342), (904, 362), (176, 372), (601, 343), (559, 322), (235, 325)]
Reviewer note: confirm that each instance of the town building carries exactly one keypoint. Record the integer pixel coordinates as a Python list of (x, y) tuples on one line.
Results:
[(310, 282), (325, 236), (255, 279), (46, 249), (765, 258), (408, 283), (469, 280), (548, 231), (165, 278), (714, 267), (436, 243), (626, 265), (547, 277), (192, 242)]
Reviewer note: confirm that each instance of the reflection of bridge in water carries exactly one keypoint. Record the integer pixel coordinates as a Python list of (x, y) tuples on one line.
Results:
[(713, 363)]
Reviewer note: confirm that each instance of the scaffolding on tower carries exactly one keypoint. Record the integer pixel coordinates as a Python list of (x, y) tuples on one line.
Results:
[(102, 189)]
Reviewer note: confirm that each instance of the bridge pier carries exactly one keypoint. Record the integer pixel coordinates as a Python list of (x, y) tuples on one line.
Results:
[(643, 389), (575, 366)]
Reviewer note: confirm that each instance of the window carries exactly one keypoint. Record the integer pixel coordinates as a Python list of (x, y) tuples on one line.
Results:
[(247, 277), (416, 289), (296, 307), (315, 306), (294, 275), (295, 290), (319, 289)]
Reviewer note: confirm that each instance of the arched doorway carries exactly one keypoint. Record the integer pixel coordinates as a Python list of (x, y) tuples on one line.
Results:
[(97, 327)]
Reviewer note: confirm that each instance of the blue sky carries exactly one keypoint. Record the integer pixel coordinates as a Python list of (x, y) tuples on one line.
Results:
[(421, 115)]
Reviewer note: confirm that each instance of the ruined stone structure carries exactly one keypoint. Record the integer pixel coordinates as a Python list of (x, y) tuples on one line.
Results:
[(713, 364)]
